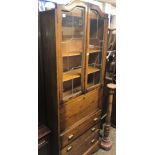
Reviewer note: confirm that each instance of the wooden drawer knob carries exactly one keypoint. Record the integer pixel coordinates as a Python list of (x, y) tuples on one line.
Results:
[(95, 119), (70, 137), (92, 141), (111, 86), (69, 148), (93, 129)]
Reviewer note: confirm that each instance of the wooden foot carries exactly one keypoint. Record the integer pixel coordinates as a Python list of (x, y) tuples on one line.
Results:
[(106, 145)]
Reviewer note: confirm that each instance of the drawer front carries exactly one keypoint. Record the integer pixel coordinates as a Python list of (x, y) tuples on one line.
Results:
[(42, 142), (75, 109), (80, 127), (81, 144), (92, 149)]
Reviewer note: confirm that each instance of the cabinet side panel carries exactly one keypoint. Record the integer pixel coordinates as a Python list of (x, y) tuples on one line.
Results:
[(41, 96), (50, 75)]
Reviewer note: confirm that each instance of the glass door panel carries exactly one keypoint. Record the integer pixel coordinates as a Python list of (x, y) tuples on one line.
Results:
[(95, 49), (72, 50)]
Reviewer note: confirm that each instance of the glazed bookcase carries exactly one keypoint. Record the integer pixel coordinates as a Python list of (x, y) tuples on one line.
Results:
[(74, 43)]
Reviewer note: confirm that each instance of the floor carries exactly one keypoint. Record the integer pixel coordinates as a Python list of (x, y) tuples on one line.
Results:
[(113, 149)]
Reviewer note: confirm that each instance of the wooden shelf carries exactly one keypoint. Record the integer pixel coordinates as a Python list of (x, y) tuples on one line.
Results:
[(73, 74), (94, 51), (92, 70), (72, 47), (69, 54), (76, 73)]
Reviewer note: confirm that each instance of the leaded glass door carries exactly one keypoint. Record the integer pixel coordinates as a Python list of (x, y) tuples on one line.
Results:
[(94, 49), (72, 45)]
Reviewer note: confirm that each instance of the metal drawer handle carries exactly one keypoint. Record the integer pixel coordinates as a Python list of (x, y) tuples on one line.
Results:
[(42, 143), (95, 119), (93, 129), (69, 148), (93, 140), (70, 137)]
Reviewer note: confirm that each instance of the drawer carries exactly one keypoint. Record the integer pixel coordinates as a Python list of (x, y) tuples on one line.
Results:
[(43, 136), (44, 146), (42, 142), (75, 109), (92, 149), (80, 127), (82, 143)]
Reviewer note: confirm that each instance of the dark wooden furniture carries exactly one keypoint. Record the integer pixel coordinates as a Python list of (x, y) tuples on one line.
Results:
[(105, 102), (111, 72), (74, 43), (106, 142), (44, 140), (42, 117)]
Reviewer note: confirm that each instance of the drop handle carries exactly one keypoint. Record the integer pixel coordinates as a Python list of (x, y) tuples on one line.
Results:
[(93, 129), (92, 141), (69, 148), (95, 119), (70, 137), (42, 143)]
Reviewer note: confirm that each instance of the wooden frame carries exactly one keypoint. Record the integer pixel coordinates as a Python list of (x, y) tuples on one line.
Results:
[(87, 7), (69, 7), (51, 28), (104, 48)]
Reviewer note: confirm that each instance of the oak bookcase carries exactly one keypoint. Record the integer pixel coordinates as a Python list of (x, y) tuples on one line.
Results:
[(74, 44)]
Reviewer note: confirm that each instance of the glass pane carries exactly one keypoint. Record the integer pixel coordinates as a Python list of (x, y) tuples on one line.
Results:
[(72, 49), (95, 48)]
